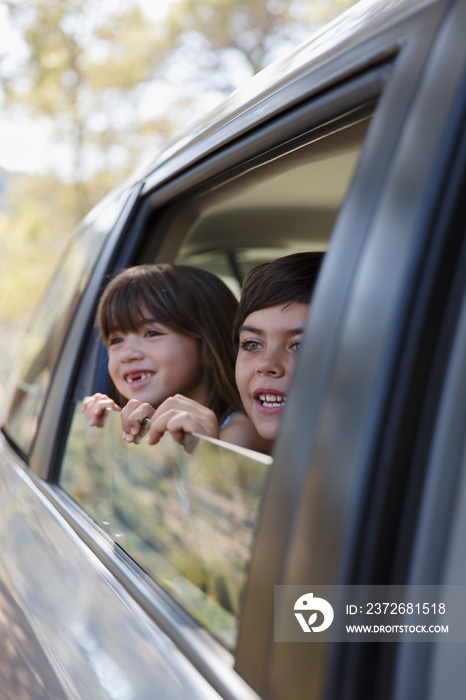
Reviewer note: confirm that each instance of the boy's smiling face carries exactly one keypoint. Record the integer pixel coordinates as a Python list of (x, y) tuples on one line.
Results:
[(269, 340)]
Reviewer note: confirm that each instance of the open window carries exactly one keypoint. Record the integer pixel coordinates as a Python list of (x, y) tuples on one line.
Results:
[(188, 515), (281, 202)]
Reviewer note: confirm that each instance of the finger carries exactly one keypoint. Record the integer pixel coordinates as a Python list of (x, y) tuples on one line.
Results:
[(95, 408), (106, 404), (159, 425), (145, 427), (89, 401), (180, 403), (132, 423), (154, 437), (177, 423), (128, 409), (99, 415), (98, 403), (178, 435), (180, 422), (133, 414)]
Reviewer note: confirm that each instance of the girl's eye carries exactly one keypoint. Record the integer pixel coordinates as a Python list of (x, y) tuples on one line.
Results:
[(115, 340), (296, 345), (152, 333), (249, 345)]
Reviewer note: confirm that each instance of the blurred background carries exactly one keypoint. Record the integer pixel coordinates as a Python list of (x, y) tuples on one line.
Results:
[(92, 89)]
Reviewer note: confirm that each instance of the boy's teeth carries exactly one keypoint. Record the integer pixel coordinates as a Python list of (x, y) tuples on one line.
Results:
[(271, 400)]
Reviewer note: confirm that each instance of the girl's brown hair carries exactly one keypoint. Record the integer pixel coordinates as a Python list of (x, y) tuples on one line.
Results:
[(188, 300)]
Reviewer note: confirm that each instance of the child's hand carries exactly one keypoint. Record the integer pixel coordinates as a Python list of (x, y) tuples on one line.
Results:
[(134, 418), (95, 408), (180, 415)]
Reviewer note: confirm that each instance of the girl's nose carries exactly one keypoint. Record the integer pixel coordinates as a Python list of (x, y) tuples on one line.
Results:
[(132, 350)]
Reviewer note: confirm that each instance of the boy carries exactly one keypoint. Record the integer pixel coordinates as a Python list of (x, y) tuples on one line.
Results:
[(268, 327), (267, 332)]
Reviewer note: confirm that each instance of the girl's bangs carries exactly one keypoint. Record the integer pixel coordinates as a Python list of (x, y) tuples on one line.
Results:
[(126, 310)]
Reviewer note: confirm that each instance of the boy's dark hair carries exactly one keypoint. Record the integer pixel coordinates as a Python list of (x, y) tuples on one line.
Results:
[(188, 300), (286, 280)]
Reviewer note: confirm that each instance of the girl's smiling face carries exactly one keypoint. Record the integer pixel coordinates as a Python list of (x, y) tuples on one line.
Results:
[(269, 341), (155, 362)]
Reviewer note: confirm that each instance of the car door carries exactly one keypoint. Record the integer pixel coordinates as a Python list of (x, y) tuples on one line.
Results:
[(364, 475), (318, 160)]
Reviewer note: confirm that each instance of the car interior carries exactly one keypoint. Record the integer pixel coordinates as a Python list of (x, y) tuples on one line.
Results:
[(283, 204)]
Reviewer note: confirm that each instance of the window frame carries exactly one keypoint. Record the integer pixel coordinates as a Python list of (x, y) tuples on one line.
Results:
[(46, 445)]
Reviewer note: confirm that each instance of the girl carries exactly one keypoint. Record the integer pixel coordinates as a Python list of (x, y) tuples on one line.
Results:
[(167, 329), (267, 331)]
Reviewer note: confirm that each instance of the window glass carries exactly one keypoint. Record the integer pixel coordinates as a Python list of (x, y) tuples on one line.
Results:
[(185, 514), (285, 205), (189, 517), (50, 322)]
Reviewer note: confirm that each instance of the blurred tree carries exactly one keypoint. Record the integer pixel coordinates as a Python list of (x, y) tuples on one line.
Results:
[(85, 62), (73, 74), (116, 82), (117, 85), (221, 43), (33, 232)]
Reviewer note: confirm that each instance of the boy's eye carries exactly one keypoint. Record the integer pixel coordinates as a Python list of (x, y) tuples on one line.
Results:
[(249, 345), (115, 340), (296, 345), (152, 333)]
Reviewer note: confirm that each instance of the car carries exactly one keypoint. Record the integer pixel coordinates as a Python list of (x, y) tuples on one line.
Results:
[(137, 572)]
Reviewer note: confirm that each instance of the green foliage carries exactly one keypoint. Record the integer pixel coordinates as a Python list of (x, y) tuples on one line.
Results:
[(31, 242), (116, 86), (85, 63), (42, 213), (110, 77)]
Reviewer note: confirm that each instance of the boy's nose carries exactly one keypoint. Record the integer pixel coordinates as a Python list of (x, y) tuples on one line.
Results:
[(271, 363)]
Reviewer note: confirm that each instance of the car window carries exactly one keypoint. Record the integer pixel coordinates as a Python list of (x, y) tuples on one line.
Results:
[(283, 203), (185, 514), (189, 518), (51, 320)]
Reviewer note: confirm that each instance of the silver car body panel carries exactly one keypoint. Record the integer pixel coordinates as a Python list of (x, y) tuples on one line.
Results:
[(95, 641)]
